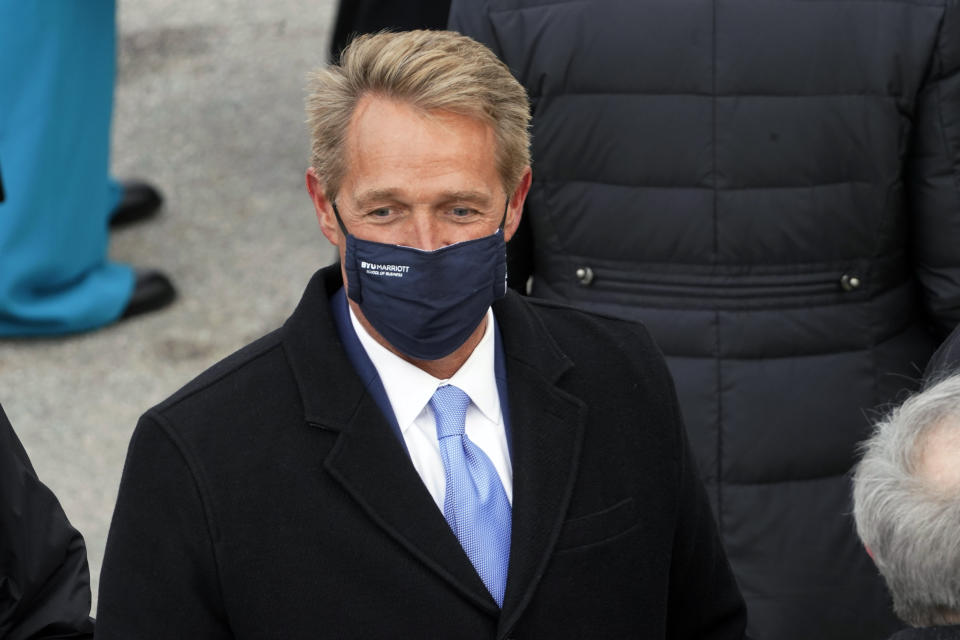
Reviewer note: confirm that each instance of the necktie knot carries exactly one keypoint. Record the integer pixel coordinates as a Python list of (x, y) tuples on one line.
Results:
[(449, 405)]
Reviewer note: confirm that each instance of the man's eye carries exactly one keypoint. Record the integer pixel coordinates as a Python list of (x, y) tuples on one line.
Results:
[(461, 212), (383, 212)]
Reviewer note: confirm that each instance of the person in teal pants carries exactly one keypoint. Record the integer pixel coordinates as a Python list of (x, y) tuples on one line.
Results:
[(57, 62)]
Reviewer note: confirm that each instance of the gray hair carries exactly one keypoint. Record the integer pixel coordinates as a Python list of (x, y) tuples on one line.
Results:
[(912, 527)]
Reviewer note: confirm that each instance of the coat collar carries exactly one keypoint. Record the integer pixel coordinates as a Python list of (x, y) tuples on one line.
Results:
[(372, 466), (330, 392)]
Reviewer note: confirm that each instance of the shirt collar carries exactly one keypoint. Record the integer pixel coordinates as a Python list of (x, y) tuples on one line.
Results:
[(410, 388)]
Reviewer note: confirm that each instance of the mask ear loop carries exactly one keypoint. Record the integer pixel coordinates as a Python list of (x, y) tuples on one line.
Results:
[(503, 221), (336, 212), (353, 288)]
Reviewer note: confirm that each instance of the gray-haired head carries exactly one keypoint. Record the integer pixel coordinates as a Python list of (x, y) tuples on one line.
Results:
[(906, 496)]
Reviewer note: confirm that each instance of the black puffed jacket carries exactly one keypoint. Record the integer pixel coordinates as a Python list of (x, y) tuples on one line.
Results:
[(773, 188)]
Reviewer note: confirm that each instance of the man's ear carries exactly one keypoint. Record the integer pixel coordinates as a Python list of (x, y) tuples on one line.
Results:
[(323, 207), (515, 208)]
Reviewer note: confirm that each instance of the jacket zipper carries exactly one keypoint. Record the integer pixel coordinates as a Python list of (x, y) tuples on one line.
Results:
[(781, 285)]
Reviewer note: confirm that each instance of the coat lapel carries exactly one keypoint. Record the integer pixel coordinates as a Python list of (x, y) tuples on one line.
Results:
[(547, 427), (371, 465), (368, 460)]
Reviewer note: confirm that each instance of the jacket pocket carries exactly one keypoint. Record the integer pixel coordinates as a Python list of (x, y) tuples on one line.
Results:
[(731, 287), (598, 527), (707, 289)]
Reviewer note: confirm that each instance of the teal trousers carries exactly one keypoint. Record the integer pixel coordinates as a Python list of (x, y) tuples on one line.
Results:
[(57, 64)]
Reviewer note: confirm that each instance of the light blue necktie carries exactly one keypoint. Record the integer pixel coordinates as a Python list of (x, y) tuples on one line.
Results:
[(476, 506)]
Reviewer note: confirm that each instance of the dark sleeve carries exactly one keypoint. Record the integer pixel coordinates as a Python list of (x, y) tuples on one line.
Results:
[(159, 577), (44, 580), (933, 178)]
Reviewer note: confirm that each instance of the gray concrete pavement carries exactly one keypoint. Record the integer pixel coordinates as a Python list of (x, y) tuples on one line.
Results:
[(209, 107)]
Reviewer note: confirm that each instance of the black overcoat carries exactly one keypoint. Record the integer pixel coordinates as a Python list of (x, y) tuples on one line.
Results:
[(269, 498)]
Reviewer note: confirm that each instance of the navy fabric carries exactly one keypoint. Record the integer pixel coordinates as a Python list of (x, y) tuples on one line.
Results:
[(426, 303), (358, 357), (773, 189), (500, 372)]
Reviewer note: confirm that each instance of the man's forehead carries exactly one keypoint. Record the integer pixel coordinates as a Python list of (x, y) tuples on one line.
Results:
[(393, 148), (376, 117)]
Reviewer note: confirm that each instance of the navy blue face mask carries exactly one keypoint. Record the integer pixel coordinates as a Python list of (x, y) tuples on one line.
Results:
[(426, 303)]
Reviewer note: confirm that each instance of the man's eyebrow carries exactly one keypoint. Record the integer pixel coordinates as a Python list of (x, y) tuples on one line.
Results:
[(376, 195), (474, 197), (372, 196)]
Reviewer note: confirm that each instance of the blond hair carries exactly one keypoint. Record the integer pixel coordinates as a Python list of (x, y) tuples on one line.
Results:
[(430, 70)]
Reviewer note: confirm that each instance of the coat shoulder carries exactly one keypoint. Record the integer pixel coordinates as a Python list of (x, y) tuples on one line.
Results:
[(228, 387), (245, 359), (601, 357), (583, 329)]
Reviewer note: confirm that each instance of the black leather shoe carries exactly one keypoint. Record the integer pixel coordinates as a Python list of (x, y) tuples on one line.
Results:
[(151, 291), (139, 201)]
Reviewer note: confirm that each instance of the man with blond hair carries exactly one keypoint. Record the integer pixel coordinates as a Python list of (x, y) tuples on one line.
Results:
[(417, 453)]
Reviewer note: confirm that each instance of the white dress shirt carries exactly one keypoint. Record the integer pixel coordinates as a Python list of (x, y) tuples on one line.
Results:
[(409, 390)]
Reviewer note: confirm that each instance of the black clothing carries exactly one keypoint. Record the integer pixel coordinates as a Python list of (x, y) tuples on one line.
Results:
[(44, 580), (773, 189), (951, 632), (369, 16), (270, 498)]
